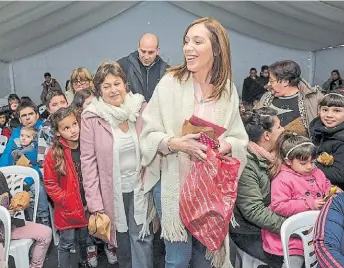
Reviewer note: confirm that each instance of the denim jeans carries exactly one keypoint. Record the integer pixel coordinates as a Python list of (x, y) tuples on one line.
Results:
[(67, 240), (181, 254), (43, 207)]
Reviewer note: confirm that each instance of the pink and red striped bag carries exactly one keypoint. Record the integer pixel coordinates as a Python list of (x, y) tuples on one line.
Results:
[(207, 198)]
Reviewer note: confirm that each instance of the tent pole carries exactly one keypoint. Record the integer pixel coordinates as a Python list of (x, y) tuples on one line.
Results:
[(311, 68), (11, 74)]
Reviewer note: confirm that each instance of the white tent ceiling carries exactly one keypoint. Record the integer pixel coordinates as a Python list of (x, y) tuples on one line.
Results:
[(29, 27)]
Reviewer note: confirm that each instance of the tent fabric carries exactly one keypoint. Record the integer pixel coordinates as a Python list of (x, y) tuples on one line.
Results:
[(28, 27)]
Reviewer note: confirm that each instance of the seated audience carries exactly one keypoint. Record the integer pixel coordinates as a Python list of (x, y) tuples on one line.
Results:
[(334, 82), (25, 230), (3, 119), (251, 210), (329, 233), (11, 125), (294, 99), (297, 186), (13, 103), (327, 132), (81, 78)]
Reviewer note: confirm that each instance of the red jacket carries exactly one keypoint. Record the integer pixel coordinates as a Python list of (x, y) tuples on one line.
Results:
[(64, 191), (6, 132)]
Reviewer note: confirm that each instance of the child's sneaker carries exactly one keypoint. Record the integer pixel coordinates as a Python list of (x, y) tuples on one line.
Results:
[(110, 252), (92, 256)]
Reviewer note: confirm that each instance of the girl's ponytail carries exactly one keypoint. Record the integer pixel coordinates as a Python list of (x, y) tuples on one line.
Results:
[(275, 167)]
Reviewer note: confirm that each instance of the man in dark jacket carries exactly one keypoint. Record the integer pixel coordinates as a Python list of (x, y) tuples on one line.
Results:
[(144, 68), (253, 88), (48, 85)]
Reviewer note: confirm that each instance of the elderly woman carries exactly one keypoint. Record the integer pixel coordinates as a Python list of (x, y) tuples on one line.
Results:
[(200, 86), (252, 212), (81, 78), (111, 165)]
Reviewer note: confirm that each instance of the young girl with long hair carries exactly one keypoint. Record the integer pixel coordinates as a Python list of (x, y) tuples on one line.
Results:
[(297, 185), (63, 182)]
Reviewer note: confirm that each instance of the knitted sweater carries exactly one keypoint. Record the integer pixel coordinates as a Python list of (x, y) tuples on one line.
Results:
[(172, 103)]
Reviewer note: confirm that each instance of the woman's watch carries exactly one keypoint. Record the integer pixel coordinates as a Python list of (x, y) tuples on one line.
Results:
[(168, 145)]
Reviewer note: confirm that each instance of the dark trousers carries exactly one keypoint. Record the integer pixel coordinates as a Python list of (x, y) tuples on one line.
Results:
[(252, 244)]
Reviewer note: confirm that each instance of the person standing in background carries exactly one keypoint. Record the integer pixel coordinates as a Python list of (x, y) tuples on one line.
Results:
[(144, 67), (48, 85)]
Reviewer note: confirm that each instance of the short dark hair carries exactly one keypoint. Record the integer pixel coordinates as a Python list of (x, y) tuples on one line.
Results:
[(80, 97), (25, 98), (51, 94), (253, 69), (334, 99), (264, 68), (14, 123), (13, 97), (47, 74), (286, 70), (26, 104), (258, 121)]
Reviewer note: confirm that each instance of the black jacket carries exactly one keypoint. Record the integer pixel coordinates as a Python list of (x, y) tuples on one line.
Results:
[(330, 141), (142, 79), (253, 89)]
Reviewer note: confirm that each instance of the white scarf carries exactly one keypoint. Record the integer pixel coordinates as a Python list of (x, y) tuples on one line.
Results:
[(129, 110)]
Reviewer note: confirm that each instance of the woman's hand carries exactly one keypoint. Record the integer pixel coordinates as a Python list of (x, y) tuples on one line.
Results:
[(225, 147), (189, 144)]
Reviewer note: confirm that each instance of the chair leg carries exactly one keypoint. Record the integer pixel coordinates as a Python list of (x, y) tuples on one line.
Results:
[(21, 259), (56, 237)]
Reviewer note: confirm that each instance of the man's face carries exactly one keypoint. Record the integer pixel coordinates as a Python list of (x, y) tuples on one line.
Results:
[(148, 51), (265, 73), (253, 73), (47, 79), (28, 117)]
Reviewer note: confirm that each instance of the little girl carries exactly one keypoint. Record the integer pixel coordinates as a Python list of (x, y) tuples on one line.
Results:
[(63, 182), (297, 185), (327, 132)]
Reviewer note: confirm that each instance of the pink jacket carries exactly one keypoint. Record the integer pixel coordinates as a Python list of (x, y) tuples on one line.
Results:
[(292, 193), (96, 145)]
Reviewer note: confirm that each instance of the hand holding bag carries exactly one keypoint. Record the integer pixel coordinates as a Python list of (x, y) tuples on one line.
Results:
[(99, 226)]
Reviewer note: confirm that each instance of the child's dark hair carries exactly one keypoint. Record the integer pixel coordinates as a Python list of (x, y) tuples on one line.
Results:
[(287, 147), (333, 99), (258, 121), (51, 94), (57, 148), (80, 97), (26, 104), (14, 123)]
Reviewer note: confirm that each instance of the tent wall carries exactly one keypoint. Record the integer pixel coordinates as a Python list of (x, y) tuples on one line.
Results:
[(5, 86), (326, 61), (119, 36)]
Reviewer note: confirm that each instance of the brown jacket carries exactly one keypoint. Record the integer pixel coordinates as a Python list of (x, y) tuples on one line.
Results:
[(310, 95), (46, 88)]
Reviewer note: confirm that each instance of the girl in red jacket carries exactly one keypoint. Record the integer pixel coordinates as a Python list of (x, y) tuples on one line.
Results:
[(63, 182)]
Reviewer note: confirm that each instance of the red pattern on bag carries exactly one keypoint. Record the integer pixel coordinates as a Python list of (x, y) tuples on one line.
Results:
[(207, 198)]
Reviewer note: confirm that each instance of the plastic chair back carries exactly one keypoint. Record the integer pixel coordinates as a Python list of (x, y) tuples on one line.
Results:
[(5, 219), (3, 142), (301, 224)]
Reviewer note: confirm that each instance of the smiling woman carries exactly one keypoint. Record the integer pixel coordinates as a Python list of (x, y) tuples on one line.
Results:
[(111, 168), (200, 86)]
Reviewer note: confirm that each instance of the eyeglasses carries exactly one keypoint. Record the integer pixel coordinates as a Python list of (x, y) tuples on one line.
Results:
[(272, 81), (82, 82)]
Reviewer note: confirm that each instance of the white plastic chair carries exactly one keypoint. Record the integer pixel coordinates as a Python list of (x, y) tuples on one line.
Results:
[(3, 142), (56, 236), (5, 218), (42, 109), (301, 224), (19, 249), (244, 260)]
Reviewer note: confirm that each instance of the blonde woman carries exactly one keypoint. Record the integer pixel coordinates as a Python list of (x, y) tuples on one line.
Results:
[(81, 78), (200, 86)]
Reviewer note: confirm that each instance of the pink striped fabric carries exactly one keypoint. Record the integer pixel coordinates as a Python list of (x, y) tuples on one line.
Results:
[(207, 198)]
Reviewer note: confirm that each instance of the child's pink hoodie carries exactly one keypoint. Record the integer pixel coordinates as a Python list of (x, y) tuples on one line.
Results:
[(292, 193)]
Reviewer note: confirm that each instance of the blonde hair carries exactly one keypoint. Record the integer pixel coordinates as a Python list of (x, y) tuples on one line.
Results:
[(81, 72), (32, 130), (221, 70)]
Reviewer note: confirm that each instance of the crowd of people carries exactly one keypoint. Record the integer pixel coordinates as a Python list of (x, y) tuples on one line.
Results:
[(111, 144)]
